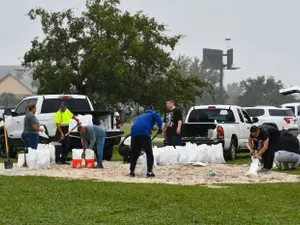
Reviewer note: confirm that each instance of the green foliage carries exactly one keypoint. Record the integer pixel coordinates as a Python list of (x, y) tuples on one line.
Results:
[(234, 90), (116, 58), (262, 91)]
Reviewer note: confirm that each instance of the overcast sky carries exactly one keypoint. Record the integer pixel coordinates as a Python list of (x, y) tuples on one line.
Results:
[(265, 33)]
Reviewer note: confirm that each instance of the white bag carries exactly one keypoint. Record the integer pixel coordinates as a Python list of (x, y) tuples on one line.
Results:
[(89, 154), (156, 153), (253, 167), (77, 153), (31, 159), (21, 159), (143, 165), (183, 156), (217, 155), (43, 134), (165, 156), (42, 158), (127, 141), (202, 153)]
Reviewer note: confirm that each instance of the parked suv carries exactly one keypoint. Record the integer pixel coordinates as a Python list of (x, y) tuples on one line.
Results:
[(281, 118)]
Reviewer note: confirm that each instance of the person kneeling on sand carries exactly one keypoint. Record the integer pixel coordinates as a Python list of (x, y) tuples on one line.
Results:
[(258, 143), (93, 134), (288, 157)]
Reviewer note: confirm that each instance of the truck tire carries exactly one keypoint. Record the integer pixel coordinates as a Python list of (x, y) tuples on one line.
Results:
[(108, 153), (230, 154)]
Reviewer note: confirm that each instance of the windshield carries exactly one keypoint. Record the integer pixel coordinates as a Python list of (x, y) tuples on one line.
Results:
[(210, 115), (281, 112), (52, 105), (255, 112)]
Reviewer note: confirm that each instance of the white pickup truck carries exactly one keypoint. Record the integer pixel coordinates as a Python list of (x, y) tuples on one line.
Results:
[(46, 107), (214, 124)]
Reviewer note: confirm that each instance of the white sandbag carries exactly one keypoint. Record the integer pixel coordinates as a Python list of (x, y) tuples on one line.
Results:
[(192, 152), (31, 159), (143, 165), (183, 156), (77, 153), (202, 153), (84, 119), (156, 153), (216, 154), (253, 167), (42, 158), (168, 156), (43, 134), (21, 159), (127, 141), (89, 154), (50, 149)]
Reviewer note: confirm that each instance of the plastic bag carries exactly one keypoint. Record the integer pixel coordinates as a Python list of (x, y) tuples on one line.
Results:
[(143, 165), (216, 153), (77, 153), (202, 153), (43, 134), (168, 156), (127, 141), (156, 154), (89, 154), (192, 151), (21, 159), (84, 119), (183, 156), (42, 158), (31, 159), (253, 167)]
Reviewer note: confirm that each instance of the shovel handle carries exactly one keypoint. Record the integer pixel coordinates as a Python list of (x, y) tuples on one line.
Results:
[(67, 134)]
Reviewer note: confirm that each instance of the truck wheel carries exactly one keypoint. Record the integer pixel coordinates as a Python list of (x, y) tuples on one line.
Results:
[(108, 153), (230, 154)]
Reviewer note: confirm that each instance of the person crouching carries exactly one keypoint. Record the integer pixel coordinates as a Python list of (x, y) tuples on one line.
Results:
[(288, 157), (93, 134)]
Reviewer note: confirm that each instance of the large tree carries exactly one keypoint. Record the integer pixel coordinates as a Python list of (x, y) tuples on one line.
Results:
[(116, 58), (234, 90), (193, 67), (262, 91)]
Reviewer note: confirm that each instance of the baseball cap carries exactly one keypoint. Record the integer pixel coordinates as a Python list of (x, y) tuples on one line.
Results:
[(62, 104)]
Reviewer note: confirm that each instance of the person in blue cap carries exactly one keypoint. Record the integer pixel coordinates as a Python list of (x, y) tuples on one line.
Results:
[(141, 139)]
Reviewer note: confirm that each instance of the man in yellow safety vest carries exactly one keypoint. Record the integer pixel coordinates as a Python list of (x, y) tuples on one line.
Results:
[(62, 120)]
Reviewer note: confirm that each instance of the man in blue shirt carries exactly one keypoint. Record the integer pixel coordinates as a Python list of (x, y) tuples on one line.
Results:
[(93, 134), (141, 139)]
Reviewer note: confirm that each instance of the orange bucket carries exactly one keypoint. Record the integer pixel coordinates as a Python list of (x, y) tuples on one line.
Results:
[(76, 163), (89, 163)]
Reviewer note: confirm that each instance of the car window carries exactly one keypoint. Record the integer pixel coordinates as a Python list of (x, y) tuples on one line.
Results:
[(299, 110), (281, 112), (255, 112), (241, 115), (21, 109), (212, 114), (247, 117), (52, 105), (292, 108)]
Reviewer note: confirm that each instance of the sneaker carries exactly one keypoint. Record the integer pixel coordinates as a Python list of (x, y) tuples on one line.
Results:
[(99, 166), (150, 174), (66, 163), (58, 163), (132, 174)]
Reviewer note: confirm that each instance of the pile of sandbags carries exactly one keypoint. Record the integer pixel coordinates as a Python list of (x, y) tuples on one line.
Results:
[(84, 119), (40, 158), (191, 153)]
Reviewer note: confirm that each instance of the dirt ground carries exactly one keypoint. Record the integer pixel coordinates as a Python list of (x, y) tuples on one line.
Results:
[(176, 174)]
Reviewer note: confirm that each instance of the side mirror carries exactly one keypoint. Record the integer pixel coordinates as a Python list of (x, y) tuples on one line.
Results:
[(7, 112), (254, 120)]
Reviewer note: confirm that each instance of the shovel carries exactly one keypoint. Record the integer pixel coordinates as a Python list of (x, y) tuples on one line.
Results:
[(57, 143), (8, 164)]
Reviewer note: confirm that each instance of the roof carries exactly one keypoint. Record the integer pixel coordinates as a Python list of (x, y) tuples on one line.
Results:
[(23, 75), (264, 107), (291, 104), (216, 106)]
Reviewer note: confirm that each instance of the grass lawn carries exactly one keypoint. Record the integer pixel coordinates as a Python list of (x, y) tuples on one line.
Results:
[(40, 200)]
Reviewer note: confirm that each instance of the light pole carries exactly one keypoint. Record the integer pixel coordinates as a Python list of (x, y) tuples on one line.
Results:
[(227, 40)]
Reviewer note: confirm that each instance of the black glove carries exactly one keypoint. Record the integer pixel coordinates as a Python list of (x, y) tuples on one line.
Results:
[(159, 132)]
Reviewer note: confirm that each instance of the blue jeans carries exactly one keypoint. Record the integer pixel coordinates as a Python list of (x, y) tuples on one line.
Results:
[(174, 141), (30, 139), (100, 149)]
